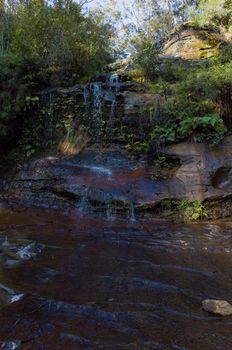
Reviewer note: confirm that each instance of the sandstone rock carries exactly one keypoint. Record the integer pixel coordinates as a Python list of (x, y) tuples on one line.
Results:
[(122, 67), (217, 307), (191, 43), (205, 172), (133, 101)]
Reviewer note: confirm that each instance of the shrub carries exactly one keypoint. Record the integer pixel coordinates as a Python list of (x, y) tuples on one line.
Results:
[(209, 128), (192, 210)]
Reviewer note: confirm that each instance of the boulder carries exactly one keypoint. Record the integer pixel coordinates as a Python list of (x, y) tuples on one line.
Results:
[(217, 307)]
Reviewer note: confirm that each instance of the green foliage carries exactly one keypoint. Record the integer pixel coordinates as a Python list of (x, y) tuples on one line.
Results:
[(189, 109), (145, 58), (44, 43), (136, 75), (51, 123), (209, 128), (166, 134), (50, 42), (192, 210), (60, 38), (169, 204), (15, 81), (217, 12), (146, 22), (137, 147)]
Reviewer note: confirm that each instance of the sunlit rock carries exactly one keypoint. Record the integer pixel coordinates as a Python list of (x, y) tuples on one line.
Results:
[(190, 43)]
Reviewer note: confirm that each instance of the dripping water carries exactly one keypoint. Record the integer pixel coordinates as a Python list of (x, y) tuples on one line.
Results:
[(84, 204), (97, 110), (114, 86), (94, 97)]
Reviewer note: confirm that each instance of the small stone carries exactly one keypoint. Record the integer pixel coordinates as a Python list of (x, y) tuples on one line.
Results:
[(217, 307)]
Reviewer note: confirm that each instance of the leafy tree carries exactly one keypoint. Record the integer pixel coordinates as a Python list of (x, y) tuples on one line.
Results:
[(148, 21), (218, 12), (44, 42)]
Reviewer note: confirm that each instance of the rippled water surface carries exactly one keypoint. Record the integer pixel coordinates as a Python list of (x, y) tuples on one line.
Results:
[(72, 281)]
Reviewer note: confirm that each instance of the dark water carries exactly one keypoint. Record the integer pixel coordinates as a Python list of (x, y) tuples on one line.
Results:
[(74, 281)]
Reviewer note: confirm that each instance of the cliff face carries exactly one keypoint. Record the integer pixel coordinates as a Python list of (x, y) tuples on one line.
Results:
[(191, 43)]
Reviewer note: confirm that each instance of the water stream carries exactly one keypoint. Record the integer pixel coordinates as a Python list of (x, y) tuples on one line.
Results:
[(101, 284)]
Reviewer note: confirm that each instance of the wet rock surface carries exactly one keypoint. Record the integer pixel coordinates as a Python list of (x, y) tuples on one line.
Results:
[(81, 268), (111, 182), (86, 264), (106, 181), (103, 284)]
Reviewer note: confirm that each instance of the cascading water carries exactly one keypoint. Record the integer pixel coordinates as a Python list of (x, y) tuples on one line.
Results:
[(97, 110), (93, 108), (132, 216), (114, 83), (97, 97), (114, 86)]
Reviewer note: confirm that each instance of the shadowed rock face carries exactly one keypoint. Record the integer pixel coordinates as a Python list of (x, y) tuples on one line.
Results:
[(222, 178), (205, 171), (190, 43)]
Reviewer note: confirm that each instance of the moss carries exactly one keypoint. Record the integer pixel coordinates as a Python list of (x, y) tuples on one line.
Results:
[(136, 75)]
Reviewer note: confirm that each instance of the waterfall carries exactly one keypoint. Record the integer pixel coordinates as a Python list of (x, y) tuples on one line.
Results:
[(132, 216), (114, 86), (97, 104), (98, 95), (97, 101)]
